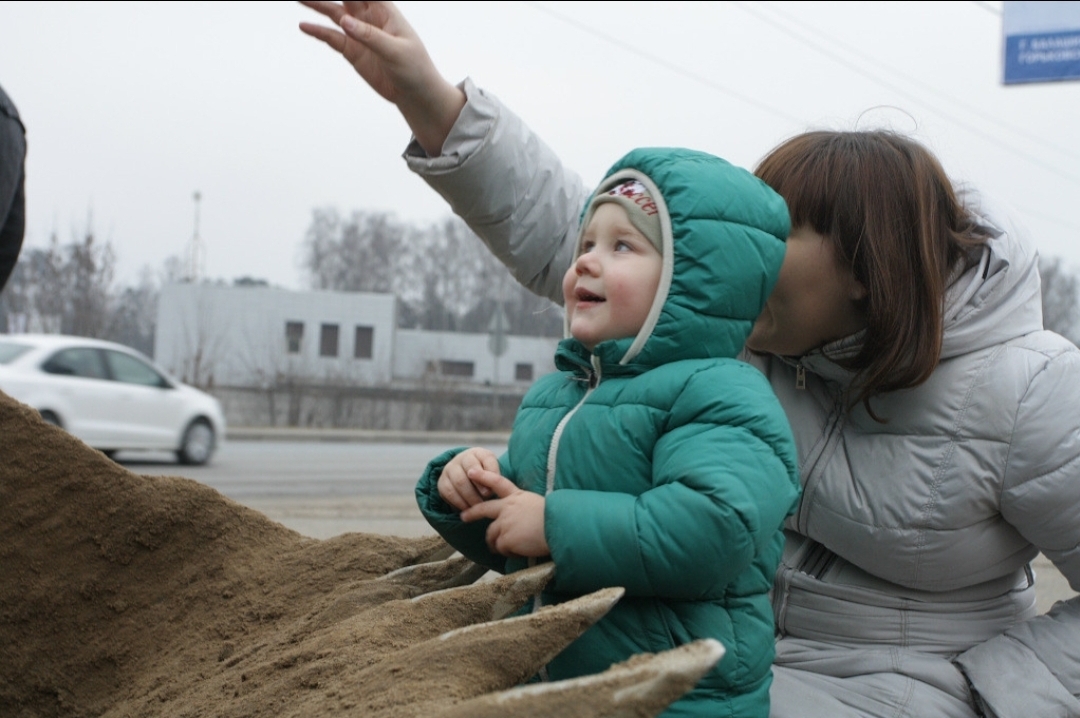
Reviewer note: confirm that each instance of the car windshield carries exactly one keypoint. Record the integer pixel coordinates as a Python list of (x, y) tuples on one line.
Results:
[(10, 351)]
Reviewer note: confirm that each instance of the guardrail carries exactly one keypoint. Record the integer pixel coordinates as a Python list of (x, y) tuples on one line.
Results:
[(282, 433)]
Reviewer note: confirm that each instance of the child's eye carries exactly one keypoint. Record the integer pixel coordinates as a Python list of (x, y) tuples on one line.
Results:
[(623, 246), (587, 246)]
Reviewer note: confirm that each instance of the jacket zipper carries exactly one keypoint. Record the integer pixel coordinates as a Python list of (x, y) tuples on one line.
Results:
[(800, 376), (594, 381), (818, 461)]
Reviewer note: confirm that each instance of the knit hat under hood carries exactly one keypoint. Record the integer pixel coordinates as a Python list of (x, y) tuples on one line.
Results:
[(640, 208)]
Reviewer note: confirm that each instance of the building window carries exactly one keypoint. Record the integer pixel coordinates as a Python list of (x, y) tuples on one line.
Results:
[(523, 372), (455, 368), (365, 337), (294, 332), (328, 340)]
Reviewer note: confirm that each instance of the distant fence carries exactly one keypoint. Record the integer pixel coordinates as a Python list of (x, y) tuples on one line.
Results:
[(439, 407)]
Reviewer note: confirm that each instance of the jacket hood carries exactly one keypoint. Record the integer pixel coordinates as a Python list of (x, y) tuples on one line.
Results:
[(723, 234), (994, 299)]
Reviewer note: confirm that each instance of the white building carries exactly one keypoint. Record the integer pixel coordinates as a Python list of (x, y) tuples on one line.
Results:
[(252, 336), (340, 343)]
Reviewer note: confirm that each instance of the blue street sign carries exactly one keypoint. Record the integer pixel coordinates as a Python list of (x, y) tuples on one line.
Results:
[(1042, 41)]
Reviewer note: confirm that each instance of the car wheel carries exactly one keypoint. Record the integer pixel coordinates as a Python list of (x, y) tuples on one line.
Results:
[(197, 444), (51, 418)]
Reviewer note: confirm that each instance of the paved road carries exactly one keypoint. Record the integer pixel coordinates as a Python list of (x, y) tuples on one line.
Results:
[(308, 470), (326, 488), (318, 488)]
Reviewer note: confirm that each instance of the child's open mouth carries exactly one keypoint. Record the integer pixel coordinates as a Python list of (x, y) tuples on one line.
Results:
[(584, 295)]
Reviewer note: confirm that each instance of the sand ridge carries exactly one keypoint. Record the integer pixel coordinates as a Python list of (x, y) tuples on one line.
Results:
[(129, 595)]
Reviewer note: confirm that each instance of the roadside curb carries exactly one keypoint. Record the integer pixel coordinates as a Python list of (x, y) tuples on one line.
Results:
[(272, 433)]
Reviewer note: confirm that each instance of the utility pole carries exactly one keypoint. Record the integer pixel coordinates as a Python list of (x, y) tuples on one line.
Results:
[(497, 345), (196, 252)]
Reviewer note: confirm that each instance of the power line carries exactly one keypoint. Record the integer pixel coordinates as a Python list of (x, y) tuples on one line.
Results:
[(949, 98), (817, 47), (990, 8), (927, 88), (666, 64)]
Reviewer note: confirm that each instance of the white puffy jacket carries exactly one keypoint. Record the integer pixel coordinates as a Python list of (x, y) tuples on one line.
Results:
[(909, 556)]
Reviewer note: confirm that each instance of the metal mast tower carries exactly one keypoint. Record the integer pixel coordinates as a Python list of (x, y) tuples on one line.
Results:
[(196, 264)]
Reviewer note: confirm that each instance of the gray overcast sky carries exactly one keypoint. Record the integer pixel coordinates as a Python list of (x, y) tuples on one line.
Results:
[(133, 107)]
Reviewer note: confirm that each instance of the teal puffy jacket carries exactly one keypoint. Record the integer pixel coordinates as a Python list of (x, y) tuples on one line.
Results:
[(668, 465)]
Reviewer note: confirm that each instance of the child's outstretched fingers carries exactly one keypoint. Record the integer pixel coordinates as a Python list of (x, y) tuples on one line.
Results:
[(377, 40), (488, 477)]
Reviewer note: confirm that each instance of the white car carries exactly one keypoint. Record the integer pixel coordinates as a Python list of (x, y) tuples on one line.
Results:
[(110, 396)]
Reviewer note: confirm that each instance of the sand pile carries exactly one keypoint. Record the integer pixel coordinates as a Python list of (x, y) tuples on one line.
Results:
[(129, 595)]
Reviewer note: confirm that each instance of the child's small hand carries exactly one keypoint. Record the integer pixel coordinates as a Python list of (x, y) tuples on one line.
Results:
[(517, 527), (454, 485)]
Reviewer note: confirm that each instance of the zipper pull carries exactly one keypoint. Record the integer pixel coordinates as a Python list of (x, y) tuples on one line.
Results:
[(800, 376)]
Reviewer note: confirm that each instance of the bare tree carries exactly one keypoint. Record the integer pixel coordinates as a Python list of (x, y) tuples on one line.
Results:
[(444, 276), (172, 271), (88, 275), (133, 319), (63, 288), (457, 273), (1060, 298), (360, 254), (473, 284), (49, 299), (16, 301), (201, 338)]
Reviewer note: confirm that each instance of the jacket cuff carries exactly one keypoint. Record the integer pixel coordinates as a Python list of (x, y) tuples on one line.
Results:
[(468, 134), (1008, 680), (432, 505)]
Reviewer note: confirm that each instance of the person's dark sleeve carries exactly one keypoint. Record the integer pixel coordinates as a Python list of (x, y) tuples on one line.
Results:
[(12, 191)]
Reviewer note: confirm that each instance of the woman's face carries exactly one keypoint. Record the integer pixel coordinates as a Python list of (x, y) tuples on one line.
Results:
[(814, 302)]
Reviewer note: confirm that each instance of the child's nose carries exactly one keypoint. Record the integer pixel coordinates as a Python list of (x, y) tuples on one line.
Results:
[(586, 263)]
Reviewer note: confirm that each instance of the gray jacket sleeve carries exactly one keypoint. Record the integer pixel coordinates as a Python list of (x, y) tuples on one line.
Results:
[(1033, 669), (510, 188)]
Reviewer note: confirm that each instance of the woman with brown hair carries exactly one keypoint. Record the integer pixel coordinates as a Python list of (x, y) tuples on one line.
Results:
[(936, 421)]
